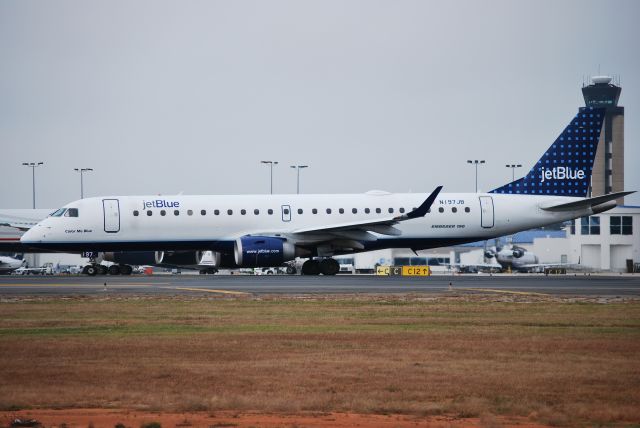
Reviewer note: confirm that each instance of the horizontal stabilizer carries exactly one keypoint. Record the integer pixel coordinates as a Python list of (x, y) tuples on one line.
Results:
[(587, 203)]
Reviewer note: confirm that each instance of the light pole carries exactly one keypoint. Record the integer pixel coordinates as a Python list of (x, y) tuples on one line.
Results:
[(33, 166), (271, 164), (298, 168), (476, 162), (81, 171), (513, 170)]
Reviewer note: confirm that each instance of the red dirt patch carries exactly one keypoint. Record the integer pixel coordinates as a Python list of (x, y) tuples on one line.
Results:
[(110, 417)]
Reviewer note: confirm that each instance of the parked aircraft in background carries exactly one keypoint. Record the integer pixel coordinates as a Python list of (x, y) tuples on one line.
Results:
[(10, 264), (13, 224), (269, 230), (514, 258)]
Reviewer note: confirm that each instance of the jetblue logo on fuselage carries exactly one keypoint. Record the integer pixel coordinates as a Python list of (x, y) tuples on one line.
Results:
[(561, 173), (160, 203)]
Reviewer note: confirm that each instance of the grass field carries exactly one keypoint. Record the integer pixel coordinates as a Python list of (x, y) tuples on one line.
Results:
[(554, 362)]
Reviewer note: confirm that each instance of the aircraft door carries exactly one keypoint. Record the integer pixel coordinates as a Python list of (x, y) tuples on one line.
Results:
[(286, 213), (486, 211), (111, 209)]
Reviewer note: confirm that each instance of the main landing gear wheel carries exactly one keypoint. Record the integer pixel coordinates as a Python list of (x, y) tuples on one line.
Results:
[(326, 266), (311, 267), (125, 270), (102, 270), (90, 270), (290, 270), (329, 267), (114, 270)]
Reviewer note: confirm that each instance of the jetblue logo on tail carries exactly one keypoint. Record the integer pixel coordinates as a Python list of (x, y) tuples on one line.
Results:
[(565, 168), (561, 173)]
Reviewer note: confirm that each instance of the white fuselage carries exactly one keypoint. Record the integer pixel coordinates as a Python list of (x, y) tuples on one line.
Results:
[(215, 222)]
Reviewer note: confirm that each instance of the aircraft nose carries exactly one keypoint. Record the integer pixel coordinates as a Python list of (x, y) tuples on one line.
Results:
[(33, 235)]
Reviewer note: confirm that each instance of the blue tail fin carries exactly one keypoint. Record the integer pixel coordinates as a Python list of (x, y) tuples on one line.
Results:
[(565, 169)]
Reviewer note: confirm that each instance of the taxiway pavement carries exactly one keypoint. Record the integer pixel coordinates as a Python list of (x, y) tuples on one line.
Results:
[(566, 285)]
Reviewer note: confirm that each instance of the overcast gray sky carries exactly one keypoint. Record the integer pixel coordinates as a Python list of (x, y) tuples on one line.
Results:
[(171, 96)]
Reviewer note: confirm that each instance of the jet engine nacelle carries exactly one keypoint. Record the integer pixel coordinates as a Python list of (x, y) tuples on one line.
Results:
[(262, 251), (517, 253), (178, 258)]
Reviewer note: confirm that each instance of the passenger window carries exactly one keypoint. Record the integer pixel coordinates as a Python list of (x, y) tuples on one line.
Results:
[(467, 209), (367, 210), (299, 210), (243, 211), (315, 211), (230, 212), (163, 213), (149, 213), (354, 210), (378, 210), (270, 211), (135, 213), (71, 212), (216, 212), (328, 210), (189, 212), (176, 212), (256, 211), (402, 210), (203, 212), (390, 210), (441, 209), (454, 210), (286, 211)]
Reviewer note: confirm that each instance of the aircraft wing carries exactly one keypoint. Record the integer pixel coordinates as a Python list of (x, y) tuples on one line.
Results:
[(551, 265), (476, 265), (383, 226), (349, 235), (20, 226), (22, 219)]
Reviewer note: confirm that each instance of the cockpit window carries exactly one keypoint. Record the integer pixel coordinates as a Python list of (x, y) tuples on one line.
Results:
[(71, 212), (58, 213)]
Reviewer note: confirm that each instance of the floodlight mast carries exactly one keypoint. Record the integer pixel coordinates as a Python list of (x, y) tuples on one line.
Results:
[(271, 164), (81, 171), (33, 166), (476, 162), (298, 168)]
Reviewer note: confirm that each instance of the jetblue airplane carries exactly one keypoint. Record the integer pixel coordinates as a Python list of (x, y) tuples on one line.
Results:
[(269, 230)]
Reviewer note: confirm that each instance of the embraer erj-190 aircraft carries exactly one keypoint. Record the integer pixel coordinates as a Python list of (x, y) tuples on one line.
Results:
[(269, 230)]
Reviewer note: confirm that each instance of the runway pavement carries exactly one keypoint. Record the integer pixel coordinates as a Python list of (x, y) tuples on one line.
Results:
[(580, 285)]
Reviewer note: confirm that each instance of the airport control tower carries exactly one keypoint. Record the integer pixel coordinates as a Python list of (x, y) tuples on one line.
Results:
[(608, 166)]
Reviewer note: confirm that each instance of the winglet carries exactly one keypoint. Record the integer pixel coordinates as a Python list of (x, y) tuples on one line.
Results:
[(423, 208)]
